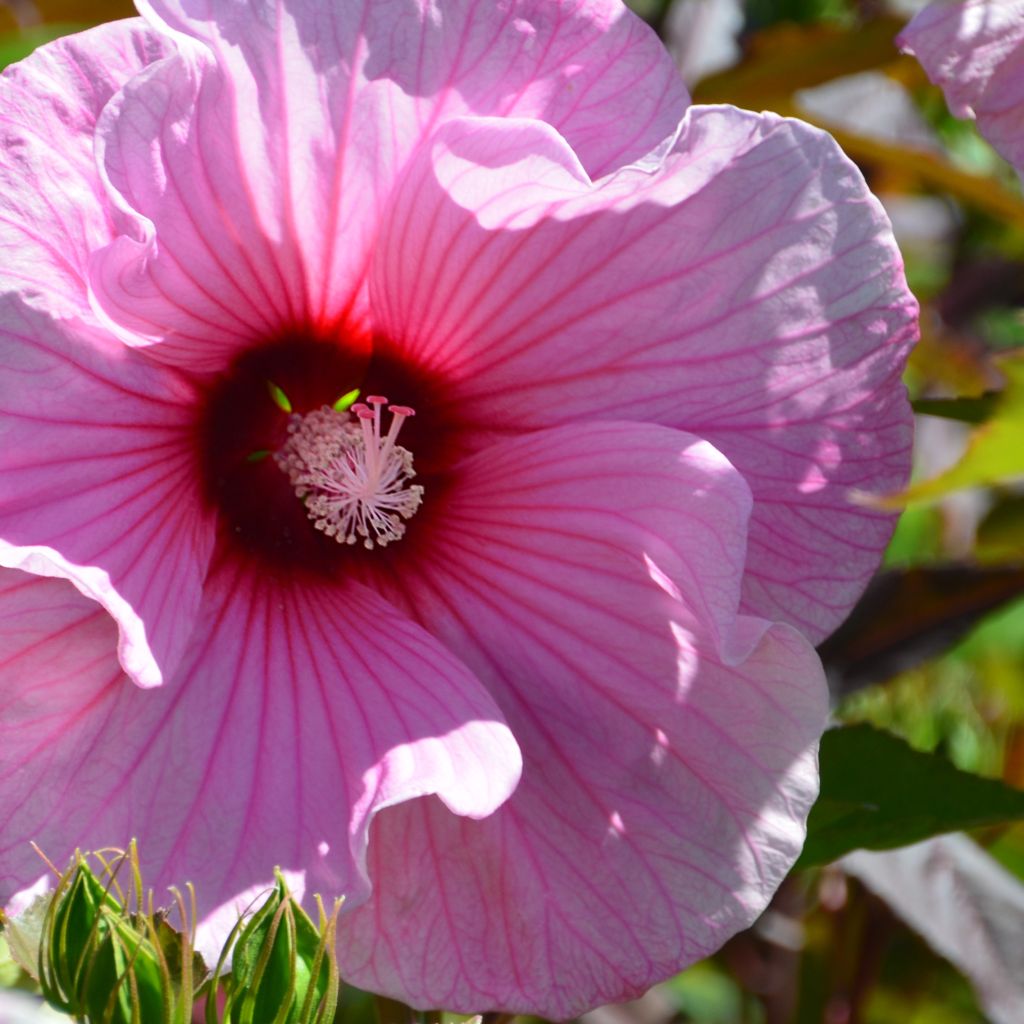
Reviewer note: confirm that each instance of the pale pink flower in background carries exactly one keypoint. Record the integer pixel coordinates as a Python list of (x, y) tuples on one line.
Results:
[(974, 50), (650, 349)]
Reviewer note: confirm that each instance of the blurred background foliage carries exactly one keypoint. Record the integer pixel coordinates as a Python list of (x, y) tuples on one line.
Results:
[(935, 652)]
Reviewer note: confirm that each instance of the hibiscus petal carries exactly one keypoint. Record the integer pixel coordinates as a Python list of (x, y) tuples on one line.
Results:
[(299, 713), (258, 168), (99, 481), (589, 67), (975, 52), (53, 211), (589, 575), (204, 267), (746, 287)]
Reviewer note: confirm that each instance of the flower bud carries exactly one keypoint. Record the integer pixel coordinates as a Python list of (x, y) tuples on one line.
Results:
[(284, 968), (99, 961)]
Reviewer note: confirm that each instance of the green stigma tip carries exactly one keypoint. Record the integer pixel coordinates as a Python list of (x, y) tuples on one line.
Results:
[(257, 456), (346, 401), (279, 397)]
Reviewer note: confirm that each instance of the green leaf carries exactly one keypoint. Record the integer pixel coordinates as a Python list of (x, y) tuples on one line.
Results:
[(909, 615), (1000, 536), (878, 793), (964, 410), (994, 455)]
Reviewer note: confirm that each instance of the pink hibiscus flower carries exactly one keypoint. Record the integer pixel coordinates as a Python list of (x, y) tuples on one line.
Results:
[(974, 50), (650, 349)]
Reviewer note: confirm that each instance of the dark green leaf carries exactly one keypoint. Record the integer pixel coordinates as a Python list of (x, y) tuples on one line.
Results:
[(964, 410), (878, 793), (909, 615), (1001, 533)]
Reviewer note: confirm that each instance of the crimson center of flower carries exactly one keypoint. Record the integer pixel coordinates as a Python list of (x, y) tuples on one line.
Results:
[(304, 480), (354, 482)]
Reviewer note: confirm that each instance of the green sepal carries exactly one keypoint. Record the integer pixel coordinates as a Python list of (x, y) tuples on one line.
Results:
[(105, 964), (71, 935), (125, 981), (284, 968)]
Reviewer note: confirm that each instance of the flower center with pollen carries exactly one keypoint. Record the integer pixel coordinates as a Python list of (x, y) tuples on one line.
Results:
[(355, 483)]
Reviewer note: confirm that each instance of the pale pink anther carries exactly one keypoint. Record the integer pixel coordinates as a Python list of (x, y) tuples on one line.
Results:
[(355, 484)]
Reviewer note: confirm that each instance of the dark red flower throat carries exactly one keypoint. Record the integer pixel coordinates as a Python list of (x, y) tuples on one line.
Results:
[(241, 426)]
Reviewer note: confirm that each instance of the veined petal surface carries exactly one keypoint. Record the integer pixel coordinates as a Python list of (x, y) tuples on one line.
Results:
[(297, 715), (53, 211), (99, 480), (744, 286), (974, 51), (258, 164), (590, 575)]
